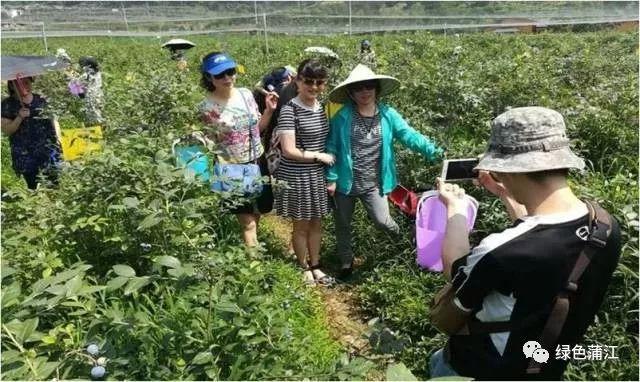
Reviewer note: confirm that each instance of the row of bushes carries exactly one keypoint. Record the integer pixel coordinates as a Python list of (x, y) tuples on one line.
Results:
[(129, 255), (165, 262)]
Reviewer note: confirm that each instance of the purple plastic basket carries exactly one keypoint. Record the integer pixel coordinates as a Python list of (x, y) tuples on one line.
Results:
[(431, 223)]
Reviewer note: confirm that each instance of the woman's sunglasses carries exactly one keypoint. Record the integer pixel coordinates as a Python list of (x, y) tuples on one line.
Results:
[(229, 72), (310, 81), (365, 85)]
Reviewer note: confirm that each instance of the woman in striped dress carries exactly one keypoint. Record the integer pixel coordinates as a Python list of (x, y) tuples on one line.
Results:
[(301, 194)]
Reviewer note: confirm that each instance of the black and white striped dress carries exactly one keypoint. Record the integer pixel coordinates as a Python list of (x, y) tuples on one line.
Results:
[(301, 192)]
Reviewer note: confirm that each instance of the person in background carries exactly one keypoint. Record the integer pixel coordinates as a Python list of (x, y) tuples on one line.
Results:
[(177, 49), (275, 81), (514, 277), (63, 56), (181, 61), (91, 80), (366, 55), (233, 121), (35, 149), (361, 138), (302, 129)]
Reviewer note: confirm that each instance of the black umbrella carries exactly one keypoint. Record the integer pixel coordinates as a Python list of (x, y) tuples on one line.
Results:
[(14, 67)]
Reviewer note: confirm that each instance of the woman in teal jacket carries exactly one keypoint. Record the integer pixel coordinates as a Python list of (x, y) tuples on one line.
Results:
[(361, 138)]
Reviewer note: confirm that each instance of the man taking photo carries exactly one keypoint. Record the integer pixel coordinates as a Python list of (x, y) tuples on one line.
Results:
[(524, 291)]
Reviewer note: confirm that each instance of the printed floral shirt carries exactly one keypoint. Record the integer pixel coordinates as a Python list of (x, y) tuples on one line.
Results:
[(34, 145), (233, 126)]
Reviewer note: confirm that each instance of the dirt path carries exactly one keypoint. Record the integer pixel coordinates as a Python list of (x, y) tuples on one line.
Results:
[(346, 324)]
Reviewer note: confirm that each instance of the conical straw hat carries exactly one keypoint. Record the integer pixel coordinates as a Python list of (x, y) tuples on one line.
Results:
[(178, 43), (362, 73)]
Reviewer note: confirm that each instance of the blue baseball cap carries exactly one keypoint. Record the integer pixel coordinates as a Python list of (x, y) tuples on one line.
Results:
[(218, 63)]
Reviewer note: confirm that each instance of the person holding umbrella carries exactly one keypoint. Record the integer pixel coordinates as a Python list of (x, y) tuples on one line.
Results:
[(361, 137), (35, 148)]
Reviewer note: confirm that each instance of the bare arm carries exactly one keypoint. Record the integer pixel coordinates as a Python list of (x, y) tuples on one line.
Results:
[(456, 238), (10, 126), (265, 119), (290, 151), (271, 102)]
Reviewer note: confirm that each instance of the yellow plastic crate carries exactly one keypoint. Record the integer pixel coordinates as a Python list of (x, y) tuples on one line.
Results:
[(78, 142), (332, 108)]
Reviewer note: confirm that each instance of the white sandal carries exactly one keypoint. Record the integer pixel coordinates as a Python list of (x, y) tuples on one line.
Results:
[(325, 279), (308, 277)]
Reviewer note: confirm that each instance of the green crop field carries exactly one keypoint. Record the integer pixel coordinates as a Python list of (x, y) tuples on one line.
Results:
[(128, 255)]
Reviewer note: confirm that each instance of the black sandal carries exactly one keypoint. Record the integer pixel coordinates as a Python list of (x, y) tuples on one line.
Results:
[(345, 273)]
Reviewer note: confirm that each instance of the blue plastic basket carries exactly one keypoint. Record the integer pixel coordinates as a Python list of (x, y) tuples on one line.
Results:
[(194, 160)]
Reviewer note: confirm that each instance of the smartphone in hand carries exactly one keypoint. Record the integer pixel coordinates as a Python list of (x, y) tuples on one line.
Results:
[(455, 170)]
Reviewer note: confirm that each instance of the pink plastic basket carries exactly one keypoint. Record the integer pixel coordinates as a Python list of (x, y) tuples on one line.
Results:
[(431, 223)]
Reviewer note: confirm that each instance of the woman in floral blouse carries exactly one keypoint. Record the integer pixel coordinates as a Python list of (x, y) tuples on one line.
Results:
[(234, 122)]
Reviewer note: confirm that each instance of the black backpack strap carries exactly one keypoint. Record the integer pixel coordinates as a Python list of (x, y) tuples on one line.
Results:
[(599, 231), (599, 226)]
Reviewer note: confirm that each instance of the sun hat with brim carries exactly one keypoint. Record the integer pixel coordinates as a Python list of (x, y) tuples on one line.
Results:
[(362, 73), (291, 70), (528, 139), (218, 63), (178, 43)]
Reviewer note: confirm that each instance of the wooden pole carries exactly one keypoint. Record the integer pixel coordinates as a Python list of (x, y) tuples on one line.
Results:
[(44, 38), (266, 41), (124, 15), (349, 17), (255, 10)]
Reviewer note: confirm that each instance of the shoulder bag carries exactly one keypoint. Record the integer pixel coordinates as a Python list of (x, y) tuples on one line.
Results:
[(239, 178)]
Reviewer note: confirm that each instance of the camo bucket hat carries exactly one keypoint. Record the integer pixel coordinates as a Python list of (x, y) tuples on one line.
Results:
[(528, 139)]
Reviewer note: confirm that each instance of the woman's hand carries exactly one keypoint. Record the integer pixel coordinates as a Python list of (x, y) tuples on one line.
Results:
[(325, 158), (24, 112), (271, 101), (331, 188)]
